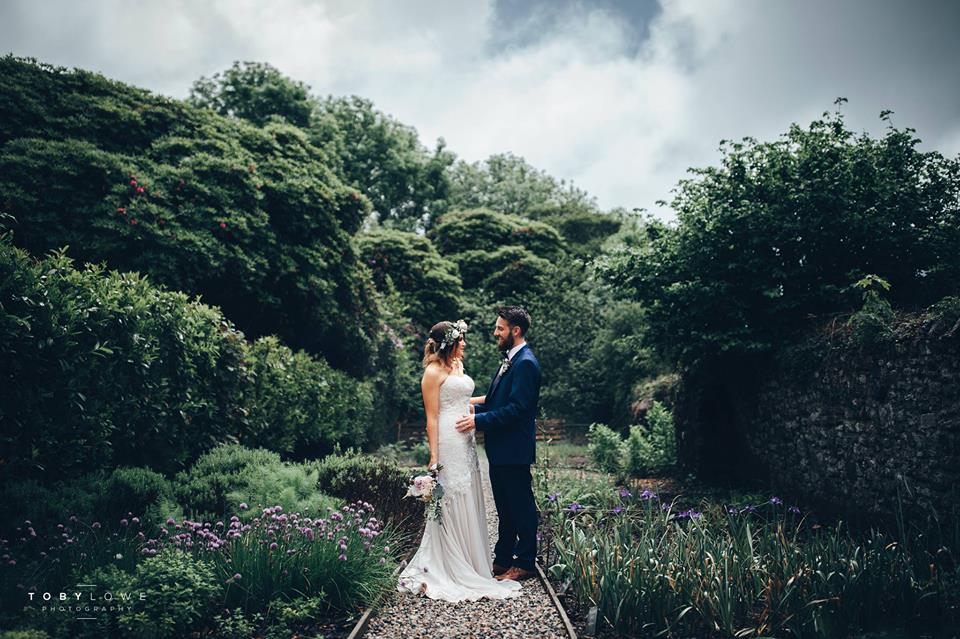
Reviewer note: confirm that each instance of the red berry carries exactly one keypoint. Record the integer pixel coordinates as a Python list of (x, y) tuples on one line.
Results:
[(223, 225), (133, 182), (139, 189), (121, 210), (133, 221)]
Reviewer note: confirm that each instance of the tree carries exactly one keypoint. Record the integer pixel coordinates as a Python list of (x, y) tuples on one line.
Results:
[(486, 230), (584, 231), (508, 184), (406, 183), (250, 218), (428, 285), (254, 91), (781, 231)]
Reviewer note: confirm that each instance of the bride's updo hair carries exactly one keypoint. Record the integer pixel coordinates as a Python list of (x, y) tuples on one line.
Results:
[(432, 351)]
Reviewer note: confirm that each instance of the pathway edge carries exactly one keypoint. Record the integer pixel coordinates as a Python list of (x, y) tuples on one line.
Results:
[(571, 633)]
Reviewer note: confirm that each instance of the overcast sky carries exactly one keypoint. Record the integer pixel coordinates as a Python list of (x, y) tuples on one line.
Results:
[(620, 97)]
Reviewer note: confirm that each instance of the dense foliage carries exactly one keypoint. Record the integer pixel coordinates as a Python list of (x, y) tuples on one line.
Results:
[(407, 184), (256, 92), (509, 184), (781, 232), (261, 540), (104, 368), (408, 265), (251, 218)]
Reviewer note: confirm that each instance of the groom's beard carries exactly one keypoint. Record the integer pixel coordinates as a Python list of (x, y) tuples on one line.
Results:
[(507, 343)]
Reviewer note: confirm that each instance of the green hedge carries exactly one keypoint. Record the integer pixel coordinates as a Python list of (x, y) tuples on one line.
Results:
[(101, 369)]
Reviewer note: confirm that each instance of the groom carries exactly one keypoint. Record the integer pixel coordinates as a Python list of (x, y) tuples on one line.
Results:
[(506, 417)]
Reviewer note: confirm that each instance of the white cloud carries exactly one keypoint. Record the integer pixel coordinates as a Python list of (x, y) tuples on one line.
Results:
[(580, 100)]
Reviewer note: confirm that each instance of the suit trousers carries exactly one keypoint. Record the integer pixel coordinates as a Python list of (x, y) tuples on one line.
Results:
[(517, 511)]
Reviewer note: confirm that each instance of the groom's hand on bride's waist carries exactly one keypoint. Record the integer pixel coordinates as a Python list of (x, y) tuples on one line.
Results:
[(466, 423)]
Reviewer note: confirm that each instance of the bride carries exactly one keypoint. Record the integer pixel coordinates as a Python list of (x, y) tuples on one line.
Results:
[(453, 562)]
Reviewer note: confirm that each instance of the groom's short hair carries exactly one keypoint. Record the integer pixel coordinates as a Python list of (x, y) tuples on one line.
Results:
[(516, 316)]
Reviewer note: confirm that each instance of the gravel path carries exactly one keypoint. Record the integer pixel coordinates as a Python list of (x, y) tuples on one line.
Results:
[(530, 615)]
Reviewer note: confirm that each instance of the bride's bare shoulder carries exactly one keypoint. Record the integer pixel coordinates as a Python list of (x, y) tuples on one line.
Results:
[(433, 374)]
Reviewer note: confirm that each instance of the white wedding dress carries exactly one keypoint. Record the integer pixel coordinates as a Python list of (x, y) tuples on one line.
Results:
[(453, 562)]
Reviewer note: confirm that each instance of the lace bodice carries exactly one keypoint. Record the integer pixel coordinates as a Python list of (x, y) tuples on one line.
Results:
[(455, 393), (457, 451)]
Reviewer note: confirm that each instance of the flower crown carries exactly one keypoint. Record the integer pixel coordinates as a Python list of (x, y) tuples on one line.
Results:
[(453, 333)]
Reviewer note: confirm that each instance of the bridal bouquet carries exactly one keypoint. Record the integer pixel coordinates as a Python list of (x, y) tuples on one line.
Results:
[(427, 489)]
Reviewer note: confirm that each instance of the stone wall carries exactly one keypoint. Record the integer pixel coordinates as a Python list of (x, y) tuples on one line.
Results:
[(835, 422)]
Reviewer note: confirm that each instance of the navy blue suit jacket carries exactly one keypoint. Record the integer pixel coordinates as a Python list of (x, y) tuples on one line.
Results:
[(507, 416)]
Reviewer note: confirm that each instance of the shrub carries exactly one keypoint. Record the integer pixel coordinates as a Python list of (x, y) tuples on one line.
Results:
[(235, 624), (181, 593), (203, 490), (638, 452), (105, 368), (663, 438), (353, 476), (290, 486), (651, 449), (47, 505), (606, 448), (138, 490), (299, 405)]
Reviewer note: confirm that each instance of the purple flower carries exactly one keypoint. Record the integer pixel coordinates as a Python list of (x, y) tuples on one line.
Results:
[(794, 510), (171, 521), (553, 497), (732, 510), (342, 557), (574, 507), (273, 546), (648, 494), (124, 522), (664, 506), (618, 510), (776, 501), (236, 576), (243, 505), (95, 525), (624, 493)]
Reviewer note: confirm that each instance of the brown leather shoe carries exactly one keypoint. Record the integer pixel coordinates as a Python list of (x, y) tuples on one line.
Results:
[(516, 574), (499, 570)]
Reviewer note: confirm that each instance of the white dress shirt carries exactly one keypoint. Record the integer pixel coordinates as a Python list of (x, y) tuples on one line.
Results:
[(513, 351)]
